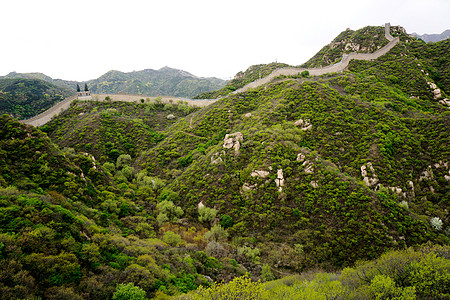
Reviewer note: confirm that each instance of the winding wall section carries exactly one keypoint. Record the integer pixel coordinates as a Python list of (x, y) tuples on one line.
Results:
[(46, 116), (335, 68)]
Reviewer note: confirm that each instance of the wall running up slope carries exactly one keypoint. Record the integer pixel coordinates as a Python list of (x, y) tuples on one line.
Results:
[(335, 68)]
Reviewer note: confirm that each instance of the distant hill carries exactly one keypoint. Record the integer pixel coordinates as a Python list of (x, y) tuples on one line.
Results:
[(165, 81), (66, 84), (25, 98), (433, 38)]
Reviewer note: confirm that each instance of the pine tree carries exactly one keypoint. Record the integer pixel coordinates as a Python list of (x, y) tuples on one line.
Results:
[(86, 87), (78, 88)]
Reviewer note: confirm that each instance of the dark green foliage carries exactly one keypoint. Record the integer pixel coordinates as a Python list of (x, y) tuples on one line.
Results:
[(109, 129), (25, 98)]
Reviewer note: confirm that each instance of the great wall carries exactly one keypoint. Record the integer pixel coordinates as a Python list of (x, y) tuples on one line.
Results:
[(46, 116), (335, 68)]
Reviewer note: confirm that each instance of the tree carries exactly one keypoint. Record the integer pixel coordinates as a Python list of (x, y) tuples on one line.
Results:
[(206, 214), (78, 88), (86, 89), (128, 292), (217, 233)]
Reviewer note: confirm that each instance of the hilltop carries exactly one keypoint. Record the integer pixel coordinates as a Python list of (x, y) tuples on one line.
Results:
[(295, 174), (165, 81), (433, 38), (25, 98)]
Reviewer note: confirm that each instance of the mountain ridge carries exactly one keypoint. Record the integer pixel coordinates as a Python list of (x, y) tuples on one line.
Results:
[(165, 81)]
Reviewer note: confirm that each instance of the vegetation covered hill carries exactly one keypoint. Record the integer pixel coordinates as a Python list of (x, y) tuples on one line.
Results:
[(364, 40), (69, 85), (300, 174), (25, 98), (165, 81), (241, 79)]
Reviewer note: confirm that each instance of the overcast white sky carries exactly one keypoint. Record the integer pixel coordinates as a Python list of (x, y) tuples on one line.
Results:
[(81, 40)]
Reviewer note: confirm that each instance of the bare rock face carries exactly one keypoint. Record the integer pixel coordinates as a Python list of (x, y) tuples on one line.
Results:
[(445, 101), (427, 174), (216, 157), (368, 174), (411, 185), (436, 92), (301, 157), (279, 181), (259, 173), (309, 167), (233, 141), (247, 187), (303, 124), (314, 184)]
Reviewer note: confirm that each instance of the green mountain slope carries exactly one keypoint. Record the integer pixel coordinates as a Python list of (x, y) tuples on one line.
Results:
[(25, 98), (301, 173), (364, 40), (241, 79), (69, 85), (165, 81)]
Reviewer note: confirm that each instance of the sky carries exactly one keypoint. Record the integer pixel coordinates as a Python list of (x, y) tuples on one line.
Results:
[(82, 40)]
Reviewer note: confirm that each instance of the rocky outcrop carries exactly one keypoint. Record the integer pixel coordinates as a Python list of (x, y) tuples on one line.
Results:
[(436, 91), (445, 101), (368, 174), (279, 181), (216, 157), (301, 157), (259, 173), (303, 124), (233, 141), (427, 174)]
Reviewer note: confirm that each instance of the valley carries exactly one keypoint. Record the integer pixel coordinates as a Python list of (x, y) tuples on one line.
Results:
[(328, 180)]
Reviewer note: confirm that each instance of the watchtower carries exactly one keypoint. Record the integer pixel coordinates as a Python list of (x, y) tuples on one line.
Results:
[(83, 95)]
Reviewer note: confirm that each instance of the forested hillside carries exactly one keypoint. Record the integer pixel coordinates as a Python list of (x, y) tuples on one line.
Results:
[(301, 174), (25, 98), (165, 81)]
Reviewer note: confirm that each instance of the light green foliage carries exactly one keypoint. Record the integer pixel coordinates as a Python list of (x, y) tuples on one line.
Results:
[(217, 233), (206, 214), (128, 292), (436, 223), (122, 161), (127, 172), (251, 253), (172, 238), (109, 167), (431, 276), (169, 212), (240, 288), (383, 287), (266, 273), (142, 179), (404, 204)]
